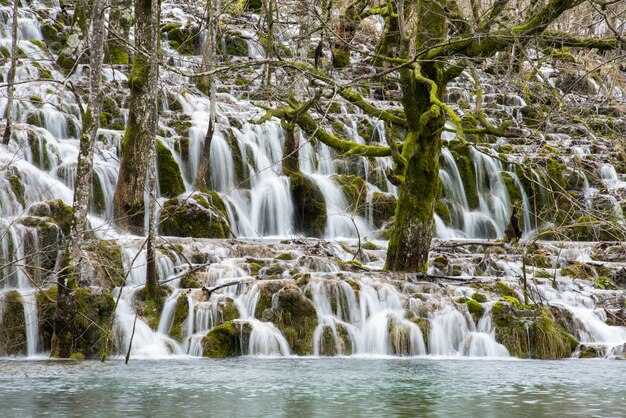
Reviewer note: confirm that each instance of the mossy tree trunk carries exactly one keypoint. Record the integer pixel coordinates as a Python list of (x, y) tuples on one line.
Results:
[(423, 88), (6, 137), (142, 122), (120, 17)]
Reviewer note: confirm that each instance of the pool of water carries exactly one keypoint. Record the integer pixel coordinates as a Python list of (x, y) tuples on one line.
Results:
[(320, 387)]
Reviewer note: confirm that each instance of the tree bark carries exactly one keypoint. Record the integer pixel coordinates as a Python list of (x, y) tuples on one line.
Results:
[(422, 91), (11, 76), (91, 121), (73, 271), (207, 84), (140, 131), (152, 281)]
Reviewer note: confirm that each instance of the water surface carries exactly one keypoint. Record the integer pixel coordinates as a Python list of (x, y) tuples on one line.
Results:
[(324, 387)]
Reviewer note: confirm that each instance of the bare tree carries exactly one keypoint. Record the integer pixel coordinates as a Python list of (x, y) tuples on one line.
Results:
[(11, 76)]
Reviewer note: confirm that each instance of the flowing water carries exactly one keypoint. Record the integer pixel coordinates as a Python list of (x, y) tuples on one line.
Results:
[(322, 387)]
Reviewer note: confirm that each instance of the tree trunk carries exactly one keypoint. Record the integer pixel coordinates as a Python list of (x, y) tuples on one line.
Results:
[(142, 121), (91, 120), (152, 281), (207, 84), (268, 8), (291, 163), (73, 263), (120, 17), (411, 235), (11, 76)]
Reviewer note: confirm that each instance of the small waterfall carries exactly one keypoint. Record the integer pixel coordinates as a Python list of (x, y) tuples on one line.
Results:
[(589, 321), (454, 334)]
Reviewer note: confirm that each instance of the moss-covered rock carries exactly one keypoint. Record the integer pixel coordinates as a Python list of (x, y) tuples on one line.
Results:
[(479, 297), (463, 157), (341, 57), (190, 281), (531, 331), (12, 325), (107, 262), (194, 217), (229, 339), (182, 39), (234, 44), (309, 206), (180, 317), (170, 180), (41, 246), (475, 309), (148, 308), (57, 210), (18, 188), (295, 316)]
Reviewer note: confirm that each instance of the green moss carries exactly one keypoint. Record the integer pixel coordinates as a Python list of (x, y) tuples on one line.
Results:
[(443, 211), (235, 45), (514, 192), (539, 260), (504, 289), (440, 262), (341, 57), (465, 164), (18, 188), (475, 309), (190, 281), (310, 206), (604, 283), (170, 180), (579, 271), (479, 297), (61, 213), (38, 145), (368, 245), (180, 316), (512, 300), (193, 217), (148, 308), (531, 331), (117, 54), (229, 311), (38, 44), (109, 264), (285, 256), (13, 325), (94, 310), (5, 52), (555, 172), (226, 340), (180, 38)]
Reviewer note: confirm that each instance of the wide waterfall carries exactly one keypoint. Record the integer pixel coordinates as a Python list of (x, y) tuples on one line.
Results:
[(274, 291)]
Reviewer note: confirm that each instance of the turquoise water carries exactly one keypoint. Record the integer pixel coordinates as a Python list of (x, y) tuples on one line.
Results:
[(319, 387)]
